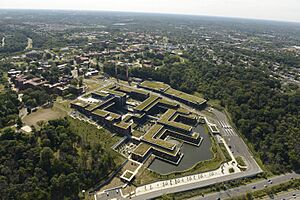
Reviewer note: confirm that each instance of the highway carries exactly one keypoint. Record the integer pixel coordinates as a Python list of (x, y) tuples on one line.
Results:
[(294, 194), (248, 188)]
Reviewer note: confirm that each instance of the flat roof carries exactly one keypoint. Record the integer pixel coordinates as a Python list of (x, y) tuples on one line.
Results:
[(159, 86), (114, 92), (185, 96), (168, 115), (100, 93), (113, 116), (148, 102), (80, 103), (101, 113), (93, 106), (154, 130), (142, 149), (177, 125), (123, 124), (169, 103)]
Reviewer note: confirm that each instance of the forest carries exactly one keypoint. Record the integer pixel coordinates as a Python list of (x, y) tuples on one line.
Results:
[(52, 163)]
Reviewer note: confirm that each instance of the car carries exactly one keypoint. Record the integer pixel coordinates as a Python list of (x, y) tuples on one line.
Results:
[(107, 194), (253, 187)]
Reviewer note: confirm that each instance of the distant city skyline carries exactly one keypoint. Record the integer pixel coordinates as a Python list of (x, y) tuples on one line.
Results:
[(288, 10)]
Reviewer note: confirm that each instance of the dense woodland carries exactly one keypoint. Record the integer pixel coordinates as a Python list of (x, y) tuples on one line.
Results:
[(35, 97), (53, 163), (9, 108), (9, 103)]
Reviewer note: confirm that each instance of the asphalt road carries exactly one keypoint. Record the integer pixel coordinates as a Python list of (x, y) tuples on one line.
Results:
[(238, 147), (295, 194), (250, 187)]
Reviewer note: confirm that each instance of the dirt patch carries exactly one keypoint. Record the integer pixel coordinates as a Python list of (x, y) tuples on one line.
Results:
[(42, 115)]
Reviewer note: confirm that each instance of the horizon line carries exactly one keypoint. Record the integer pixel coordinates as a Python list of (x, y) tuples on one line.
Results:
[(152, 12)]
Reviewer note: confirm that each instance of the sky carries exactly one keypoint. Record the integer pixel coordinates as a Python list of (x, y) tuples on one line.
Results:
[(281, 10)]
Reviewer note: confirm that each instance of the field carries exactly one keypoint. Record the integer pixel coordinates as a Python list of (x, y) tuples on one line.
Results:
[(44, 115)]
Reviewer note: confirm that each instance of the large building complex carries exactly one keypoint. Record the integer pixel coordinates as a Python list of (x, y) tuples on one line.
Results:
[(157, 126)]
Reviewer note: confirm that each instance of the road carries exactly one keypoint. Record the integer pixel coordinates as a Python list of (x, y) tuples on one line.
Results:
[(233, 192), (29, 44), (295, 194), (247, 188)]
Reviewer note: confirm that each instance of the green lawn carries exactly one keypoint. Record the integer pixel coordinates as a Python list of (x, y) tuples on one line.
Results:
[(240, 161)]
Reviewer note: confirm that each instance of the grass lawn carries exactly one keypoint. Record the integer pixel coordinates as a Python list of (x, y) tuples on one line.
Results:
[(62, 104), (1, 88), (91, 85), (240, 161), (92, 134), (225, 152), (43, 115)]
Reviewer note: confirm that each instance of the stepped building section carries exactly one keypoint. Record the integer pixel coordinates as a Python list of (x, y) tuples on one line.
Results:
[(157, 126)]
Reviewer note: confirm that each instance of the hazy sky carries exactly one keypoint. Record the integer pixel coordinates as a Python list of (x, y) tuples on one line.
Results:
[(284, 10)]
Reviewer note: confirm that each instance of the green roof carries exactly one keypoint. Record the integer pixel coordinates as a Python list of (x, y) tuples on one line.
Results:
[(122, 125), (147, 103), (114, 92), (80, 103), (124, 89), (136, 133), (177, 125), (113, 116), (127, 118), (101, 113), (185, 96), (168, 115), (183, 111), (169, 103), (159, 86), (128, 174), (93, 106), (142, 149), (100, 93), (154, 130)]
